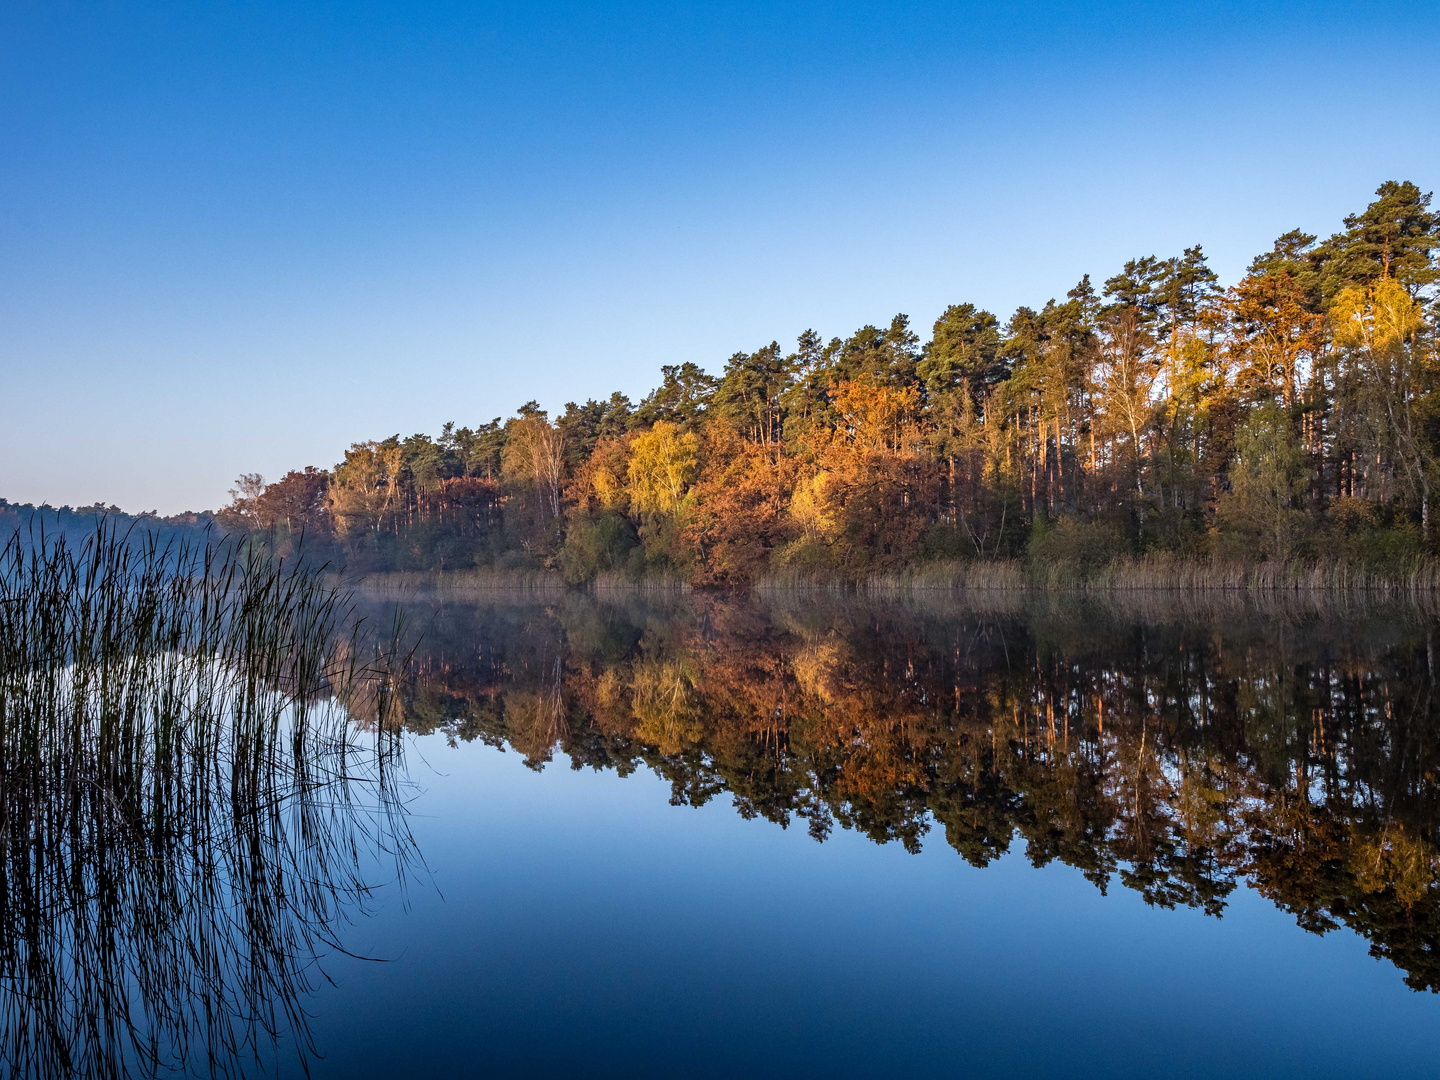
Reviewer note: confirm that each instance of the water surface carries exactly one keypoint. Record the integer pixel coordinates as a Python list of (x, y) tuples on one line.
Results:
[(713, 836), (700, 836)]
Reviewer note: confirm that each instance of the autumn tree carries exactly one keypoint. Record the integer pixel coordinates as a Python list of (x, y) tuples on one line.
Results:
[(662, 466), (535, 452), (741, 508), (1275, 335), (1126, 382), (870, 492), (360, 487), (296, 500)]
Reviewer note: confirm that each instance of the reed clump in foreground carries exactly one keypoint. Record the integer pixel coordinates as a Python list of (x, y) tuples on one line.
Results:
[(190, 810)]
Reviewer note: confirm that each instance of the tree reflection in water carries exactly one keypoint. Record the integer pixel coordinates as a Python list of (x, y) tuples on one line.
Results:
[(1178, 750), (188, 811)]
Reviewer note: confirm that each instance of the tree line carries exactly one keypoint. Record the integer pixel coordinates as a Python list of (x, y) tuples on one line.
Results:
[(1293, 415)]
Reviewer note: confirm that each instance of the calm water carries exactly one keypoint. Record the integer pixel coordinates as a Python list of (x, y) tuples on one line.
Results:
[(704, 837)]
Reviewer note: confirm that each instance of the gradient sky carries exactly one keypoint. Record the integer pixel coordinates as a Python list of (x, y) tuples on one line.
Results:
[(237, 237)]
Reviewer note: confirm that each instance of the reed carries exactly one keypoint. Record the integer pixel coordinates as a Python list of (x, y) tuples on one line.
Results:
[(401, 585), (189, 811), (1161, 573), (513, 585), (615, 581)]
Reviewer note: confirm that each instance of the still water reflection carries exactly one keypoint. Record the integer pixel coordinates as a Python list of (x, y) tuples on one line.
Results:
[(1102, 835), (1177, 753)]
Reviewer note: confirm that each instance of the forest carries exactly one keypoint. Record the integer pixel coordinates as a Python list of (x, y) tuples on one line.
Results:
[(1291, 418)]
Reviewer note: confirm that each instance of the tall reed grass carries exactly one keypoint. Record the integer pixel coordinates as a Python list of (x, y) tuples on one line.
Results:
[(189, 810), (402, 584)]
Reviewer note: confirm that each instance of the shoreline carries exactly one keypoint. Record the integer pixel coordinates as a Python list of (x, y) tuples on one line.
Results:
[(1156, 576)]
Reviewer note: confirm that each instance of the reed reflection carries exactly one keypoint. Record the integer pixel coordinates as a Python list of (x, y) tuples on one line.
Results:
[(188, 813), (1176, 753)]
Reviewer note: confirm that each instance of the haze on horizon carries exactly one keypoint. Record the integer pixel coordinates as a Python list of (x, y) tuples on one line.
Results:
[(236, 241)]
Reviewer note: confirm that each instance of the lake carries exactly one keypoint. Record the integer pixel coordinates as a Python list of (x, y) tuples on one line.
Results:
[(809, 835)]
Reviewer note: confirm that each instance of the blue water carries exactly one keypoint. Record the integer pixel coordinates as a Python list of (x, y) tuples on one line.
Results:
[(574, 923)]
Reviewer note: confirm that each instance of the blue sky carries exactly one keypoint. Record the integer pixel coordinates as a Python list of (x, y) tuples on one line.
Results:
[(237, 237)]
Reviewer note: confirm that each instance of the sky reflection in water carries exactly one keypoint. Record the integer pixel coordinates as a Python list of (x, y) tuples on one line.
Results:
[(691, 835), (582, 925)]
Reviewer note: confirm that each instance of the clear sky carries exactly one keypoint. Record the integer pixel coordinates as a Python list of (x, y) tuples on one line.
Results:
[(237, 237)]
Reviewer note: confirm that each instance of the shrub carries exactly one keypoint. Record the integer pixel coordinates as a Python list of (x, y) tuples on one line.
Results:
[(593, 544), (1079, 547)]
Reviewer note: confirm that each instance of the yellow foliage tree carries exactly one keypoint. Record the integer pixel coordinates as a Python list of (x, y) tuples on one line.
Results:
[(663, 465), (813, 507), (606, 475), (876, 417)]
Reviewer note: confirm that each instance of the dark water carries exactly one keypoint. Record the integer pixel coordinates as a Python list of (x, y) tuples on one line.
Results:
[(698, 837)]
